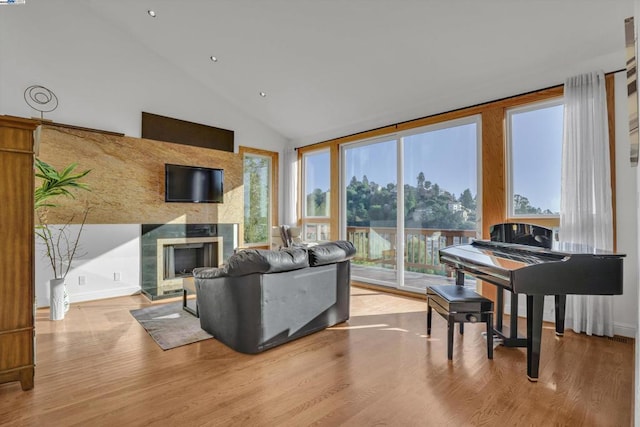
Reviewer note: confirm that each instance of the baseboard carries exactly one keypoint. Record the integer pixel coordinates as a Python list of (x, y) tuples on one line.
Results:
[(98, 294), (624, 330), (120, 291)]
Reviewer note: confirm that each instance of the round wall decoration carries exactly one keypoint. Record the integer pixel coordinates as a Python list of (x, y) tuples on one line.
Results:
[(41, 99)]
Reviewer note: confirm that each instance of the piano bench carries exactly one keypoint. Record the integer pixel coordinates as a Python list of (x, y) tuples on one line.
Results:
[(459, 304)]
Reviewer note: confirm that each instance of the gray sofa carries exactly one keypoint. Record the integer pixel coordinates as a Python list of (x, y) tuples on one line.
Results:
[(264, 298)]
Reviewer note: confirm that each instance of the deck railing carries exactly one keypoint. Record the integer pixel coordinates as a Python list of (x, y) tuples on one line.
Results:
[(377, 246)]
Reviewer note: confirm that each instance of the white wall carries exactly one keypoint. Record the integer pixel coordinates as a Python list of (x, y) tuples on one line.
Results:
[(103, 78), (636, 259), (104, 250), (625, 306)]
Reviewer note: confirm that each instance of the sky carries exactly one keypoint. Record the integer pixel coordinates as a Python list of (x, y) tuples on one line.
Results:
[(537, 155), (435, 154), (448, 157)]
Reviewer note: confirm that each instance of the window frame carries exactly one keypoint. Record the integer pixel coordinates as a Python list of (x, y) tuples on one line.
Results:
[(273, 193), (315, 221), (400, 245)]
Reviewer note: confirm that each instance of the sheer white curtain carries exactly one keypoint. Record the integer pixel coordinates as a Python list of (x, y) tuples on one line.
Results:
[(586, 216), (290, 181)]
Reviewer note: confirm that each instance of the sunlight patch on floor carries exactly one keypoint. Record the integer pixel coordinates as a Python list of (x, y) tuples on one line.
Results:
[(368, 302), (345, 328)]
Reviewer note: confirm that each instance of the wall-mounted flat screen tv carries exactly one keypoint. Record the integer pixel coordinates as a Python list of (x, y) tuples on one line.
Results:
[(191, 184)]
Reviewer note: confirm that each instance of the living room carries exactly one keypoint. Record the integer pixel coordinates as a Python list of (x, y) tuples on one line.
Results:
[(107, 67)]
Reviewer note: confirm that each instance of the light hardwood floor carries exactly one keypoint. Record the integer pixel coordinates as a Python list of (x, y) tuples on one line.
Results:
[(98, 367)]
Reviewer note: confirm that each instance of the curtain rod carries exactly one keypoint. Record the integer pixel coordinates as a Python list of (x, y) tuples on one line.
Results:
[(446, 112)]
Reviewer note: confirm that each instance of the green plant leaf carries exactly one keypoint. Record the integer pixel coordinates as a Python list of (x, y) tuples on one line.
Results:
[(55, 184)]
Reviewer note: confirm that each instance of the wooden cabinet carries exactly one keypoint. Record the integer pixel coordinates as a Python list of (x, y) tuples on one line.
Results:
[(17, 250)]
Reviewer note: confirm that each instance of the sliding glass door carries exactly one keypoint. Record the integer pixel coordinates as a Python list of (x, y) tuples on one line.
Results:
[(440, 169), (371, 196), (406, 197)]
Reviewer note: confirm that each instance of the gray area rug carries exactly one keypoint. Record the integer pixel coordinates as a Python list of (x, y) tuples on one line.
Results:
[(169, 325)]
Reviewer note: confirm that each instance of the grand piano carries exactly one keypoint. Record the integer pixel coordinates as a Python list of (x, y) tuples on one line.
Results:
[(530, 267)]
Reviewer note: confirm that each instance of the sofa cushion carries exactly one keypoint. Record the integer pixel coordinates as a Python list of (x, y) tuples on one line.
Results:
[(247, 261), (286, 259), (210, 272), (330, 252), (250, 261)]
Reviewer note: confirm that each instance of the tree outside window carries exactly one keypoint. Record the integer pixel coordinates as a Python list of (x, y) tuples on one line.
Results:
[(257, 195)]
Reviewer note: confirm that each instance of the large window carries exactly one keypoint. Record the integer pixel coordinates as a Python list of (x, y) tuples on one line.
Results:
[(440, 196), (407, 196), (257, 199), (520, 139), (370, 178), (316, 172), (534, 144), (316, 168)]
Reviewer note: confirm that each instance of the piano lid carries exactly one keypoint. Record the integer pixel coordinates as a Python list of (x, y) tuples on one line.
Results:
[(510, 256), (568, 249), (501, 256)]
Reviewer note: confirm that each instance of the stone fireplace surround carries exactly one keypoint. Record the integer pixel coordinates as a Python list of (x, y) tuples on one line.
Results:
[(177, 257), (154, 236)]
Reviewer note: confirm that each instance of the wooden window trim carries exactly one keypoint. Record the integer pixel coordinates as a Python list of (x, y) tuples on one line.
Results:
[(274, 180)]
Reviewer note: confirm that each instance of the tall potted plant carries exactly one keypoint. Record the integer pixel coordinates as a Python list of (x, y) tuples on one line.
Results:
[(60, 243)]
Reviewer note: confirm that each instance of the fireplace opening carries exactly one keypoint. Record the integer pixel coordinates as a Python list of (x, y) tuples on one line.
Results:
[(177, 257), (181, 259)]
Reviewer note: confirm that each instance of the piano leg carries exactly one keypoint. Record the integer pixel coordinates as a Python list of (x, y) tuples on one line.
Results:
[(508, 336), (450, 327), (513, 318), (499, 308), (490, 335), (460, 282), (535, 308), (561, 303)]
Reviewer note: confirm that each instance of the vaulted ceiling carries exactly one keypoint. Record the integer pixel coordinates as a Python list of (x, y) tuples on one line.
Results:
[(330, 68)]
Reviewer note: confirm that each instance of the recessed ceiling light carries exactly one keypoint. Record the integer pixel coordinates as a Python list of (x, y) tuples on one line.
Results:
[(263, 94), (213, 58), (151, 13)]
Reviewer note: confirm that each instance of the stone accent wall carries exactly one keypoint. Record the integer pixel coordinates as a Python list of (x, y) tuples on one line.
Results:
[(127, 178)]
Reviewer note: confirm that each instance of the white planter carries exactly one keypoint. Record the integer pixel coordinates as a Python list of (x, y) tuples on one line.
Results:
[(56, 299)]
